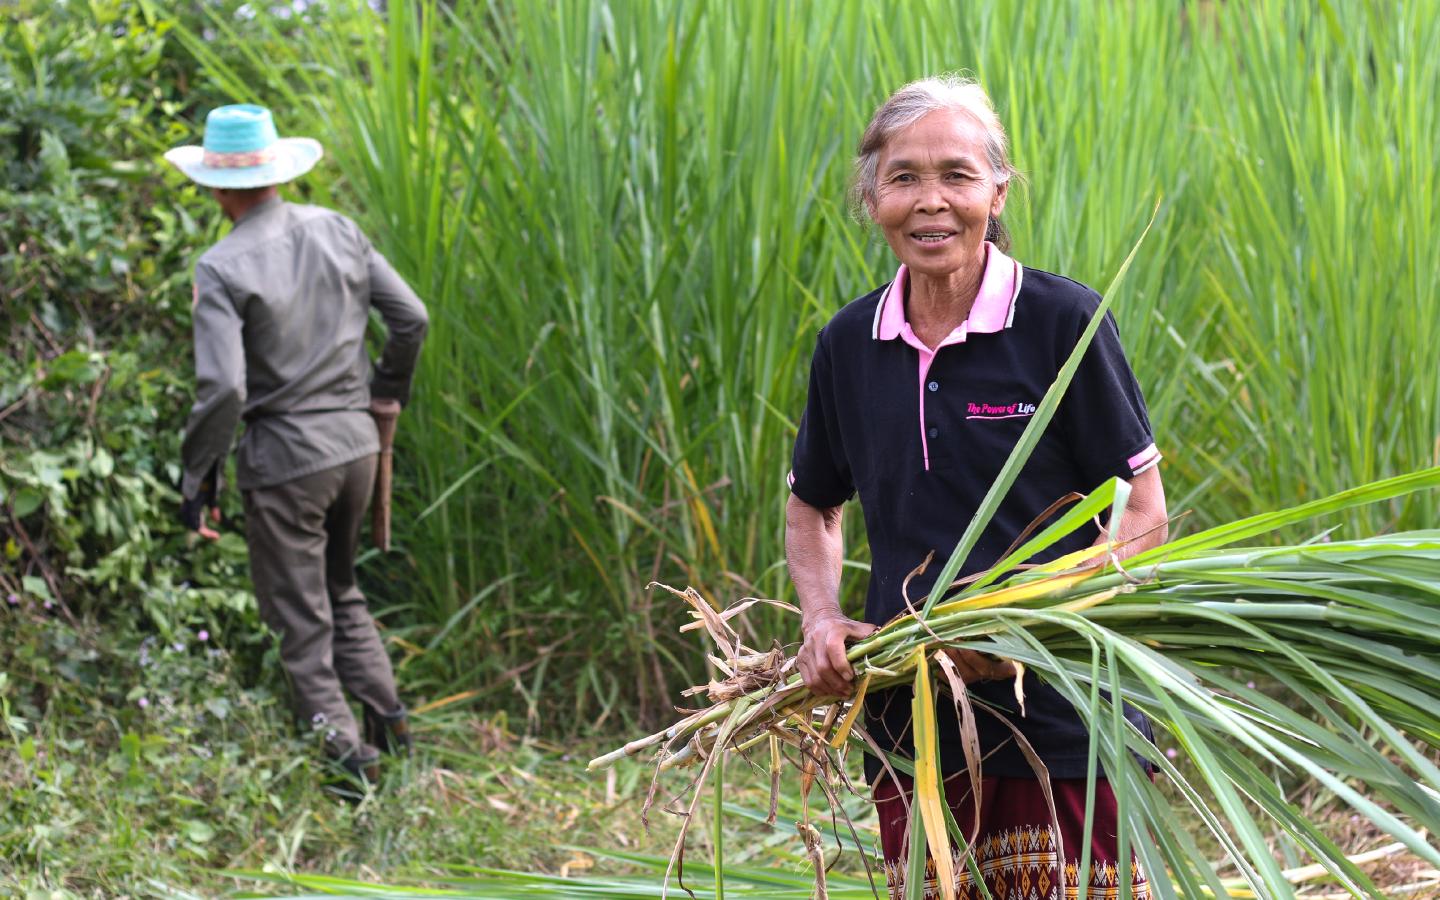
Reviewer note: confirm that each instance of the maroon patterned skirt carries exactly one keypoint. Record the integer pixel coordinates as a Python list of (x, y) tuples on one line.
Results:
[(1015, 850)]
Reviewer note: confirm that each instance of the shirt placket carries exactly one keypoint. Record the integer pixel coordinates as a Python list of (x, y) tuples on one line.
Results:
[(926, 359)]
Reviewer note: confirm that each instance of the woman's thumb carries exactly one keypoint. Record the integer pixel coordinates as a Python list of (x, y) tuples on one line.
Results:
[(862, 629)]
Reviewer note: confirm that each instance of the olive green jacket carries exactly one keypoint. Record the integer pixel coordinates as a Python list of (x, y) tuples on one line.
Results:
[(281, 307)]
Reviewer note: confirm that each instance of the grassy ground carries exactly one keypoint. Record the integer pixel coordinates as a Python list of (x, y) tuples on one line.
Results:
[(133, 769), (127, 767)]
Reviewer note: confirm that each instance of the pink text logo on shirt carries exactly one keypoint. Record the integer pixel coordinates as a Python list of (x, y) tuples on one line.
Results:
[(999, 411)]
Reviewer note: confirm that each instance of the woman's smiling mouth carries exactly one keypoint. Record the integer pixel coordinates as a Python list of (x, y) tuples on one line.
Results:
[(932, 238)]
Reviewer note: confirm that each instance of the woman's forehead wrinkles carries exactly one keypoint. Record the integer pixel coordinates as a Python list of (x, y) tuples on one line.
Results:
[(950, 162)]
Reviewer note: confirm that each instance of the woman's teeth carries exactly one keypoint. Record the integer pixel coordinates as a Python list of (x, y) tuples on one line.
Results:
[(931, 237)]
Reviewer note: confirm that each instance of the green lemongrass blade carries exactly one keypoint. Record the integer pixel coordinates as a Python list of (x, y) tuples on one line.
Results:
[(333, 886), (915, 860), (1394, 572), (972, 864), (1264, 790), (1115, 524), (1119, 725), (1399, 613), (1074, 517), (1118, 759), (1092, 715), (1338, 746), (1031, 436), (1378, 652), (717, 826), (1206, 752), (1265, 875), (1325, 681), (1274, 748), (1219, 536), (755, 875)]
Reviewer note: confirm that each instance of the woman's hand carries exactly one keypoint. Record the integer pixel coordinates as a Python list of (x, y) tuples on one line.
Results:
[(822, 662), (974, 666)]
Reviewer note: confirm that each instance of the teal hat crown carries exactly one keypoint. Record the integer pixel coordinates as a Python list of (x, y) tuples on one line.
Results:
[(242, 149), (243, 128)]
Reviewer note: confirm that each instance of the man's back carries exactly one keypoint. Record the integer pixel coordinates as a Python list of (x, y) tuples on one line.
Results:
[(299, 279), (281, 309)]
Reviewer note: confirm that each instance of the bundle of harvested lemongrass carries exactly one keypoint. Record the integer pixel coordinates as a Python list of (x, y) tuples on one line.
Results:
[(1345, 636)]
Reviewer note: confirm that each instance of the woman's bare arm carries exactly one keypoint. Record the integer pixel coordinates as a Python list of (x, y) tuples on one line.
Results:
[(814, 550)]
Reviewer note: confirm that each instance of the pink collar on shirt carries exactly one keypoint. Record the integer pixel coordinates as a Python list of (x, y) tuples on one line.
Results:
[(993, 310)]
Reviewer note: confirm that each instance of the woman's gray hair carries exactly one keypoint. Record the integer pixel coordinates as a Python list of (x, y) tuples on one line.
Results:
[(912, 103)]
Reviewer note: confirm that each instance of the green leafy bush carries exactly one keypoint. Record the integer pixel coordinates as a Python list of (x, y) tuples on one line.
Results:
[(95, 255)]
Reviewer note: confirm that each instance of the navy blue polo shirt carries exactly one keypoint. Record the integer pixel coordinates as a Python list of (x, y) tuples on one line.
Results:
[(921, 435)]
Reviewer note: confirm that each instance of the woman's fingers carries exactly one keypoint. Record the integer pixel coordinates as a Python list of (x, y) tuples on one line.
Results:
[(822, 663), (814, 669), (974, 666), (968, 673), (835, 655)]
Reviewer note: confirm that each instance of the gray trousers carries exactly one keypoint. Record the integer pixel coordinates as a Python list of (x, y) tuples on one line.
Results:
[(303, 535)]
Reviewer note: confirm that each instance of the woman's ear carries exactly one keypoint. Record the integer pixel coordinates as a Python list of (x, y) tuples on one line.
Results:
[(997, 205)]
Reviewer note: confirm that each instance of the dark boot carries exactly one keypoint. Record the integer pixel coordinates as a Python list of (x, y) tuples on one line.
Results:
[(361, 768), (388, 731)]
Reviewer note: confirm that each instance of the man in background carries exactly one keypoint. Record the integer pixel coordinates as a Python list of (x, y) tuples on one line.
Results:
[(281, 306)]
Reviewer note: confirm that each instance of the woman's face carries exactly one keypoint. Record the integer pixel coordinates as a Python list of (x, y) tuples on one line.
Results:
[(935, 192)]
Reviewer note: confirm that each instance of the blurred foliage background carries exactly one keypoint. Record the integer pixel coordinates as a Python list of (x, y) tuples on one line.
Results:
[(629, 219)]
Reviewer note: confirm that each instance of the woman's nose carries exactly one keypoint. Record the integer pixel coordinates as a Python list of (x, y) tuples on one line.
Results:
[(932, 198)]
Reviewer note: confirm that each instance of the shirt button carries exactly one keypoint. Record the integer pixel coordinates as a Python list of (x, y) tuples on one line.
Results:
[(933, 432), (934, 385)]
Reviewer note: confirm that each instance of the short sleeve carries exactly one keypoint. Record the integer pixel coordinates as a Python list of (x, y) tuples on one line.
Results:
[(1103, 412), (820, 471)]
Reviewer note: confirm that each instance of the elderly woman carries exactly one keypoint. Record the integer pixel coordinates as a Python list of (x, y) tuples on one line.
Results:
[(919, 390)]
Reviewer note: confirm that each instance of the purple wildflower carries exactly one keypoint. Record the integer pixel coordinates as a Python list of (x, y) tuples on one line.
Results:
[(1171, 753), (1250, 685), (144, 702), (203, 636), (12, 600)]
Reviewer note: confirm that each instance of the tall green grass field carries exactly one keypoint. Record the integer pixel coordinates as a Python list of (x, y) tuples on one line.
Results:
[(630, 218)]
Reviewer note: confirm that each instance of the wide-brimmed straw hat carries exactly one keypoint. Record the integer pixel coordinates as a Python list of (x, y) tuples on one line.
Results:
[(243, 150)]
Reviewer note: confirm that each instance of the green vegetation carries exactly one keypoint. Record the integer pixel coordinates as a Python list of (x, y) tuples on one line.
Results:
[(128, 771), (628, 219), (631, 218)]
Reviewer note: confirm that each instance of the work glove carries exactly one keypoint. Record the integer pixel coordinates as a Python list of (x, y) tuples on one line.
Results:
[(192, 509)]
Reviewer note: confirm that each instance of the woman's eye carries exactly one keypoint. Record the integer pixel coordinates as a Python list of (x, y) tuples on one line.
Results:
[(956, 176), (904, 178)]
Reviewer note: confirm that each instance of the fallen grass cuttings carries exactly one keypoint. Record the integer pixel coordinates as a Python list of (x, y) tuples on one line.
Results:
[(1345, 632), (501, 884)]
